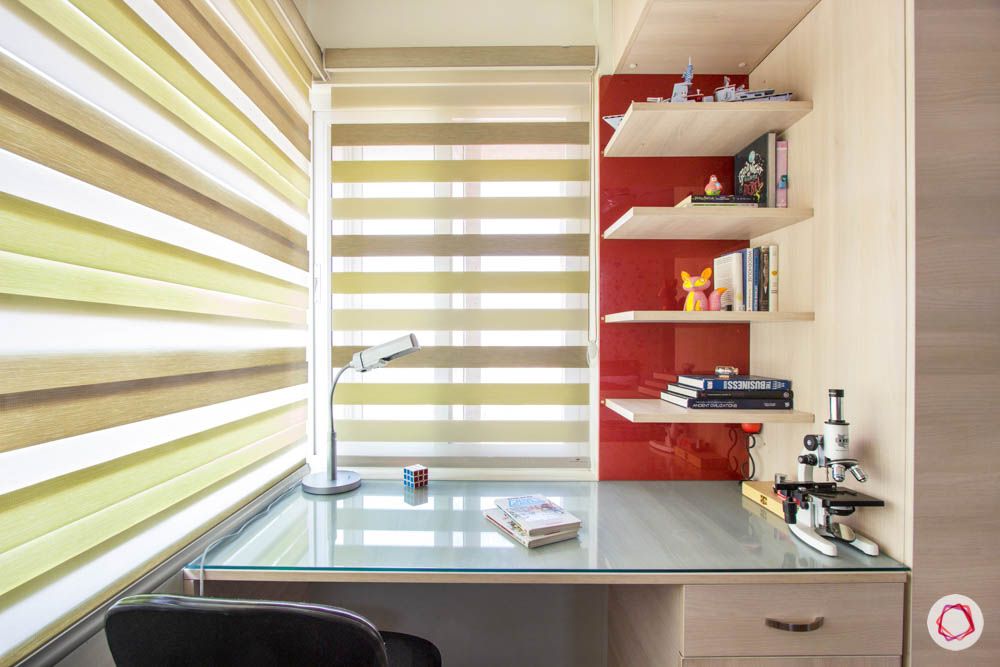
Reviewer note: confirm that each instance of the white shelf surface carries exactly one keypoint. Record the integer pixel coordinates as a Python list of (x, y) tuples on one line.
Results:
[(656, 411), (690, 129), (706, 317), (703, 222)]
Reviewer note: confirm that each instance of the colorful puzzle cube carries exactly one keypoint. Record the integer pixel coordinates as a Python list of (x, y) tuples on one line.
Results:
[(414, 476)]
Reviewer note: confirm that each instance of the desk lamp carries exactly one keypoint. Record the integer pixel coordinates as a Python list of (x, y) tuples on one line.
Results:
[(340, 481)]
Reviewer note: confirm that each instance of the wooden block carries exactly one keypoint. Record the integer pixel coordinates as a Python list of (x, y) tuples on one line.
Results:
[(763, 494)]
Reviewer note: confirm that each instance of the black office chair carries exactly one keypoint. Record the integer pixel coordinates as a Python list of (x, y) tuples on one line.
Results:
[(172, 630)]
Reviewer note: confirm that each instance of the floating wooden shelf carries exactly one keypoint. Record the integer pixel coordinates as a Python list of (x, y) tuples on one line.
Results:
[(703, 222), (655, 411), (699, 128), (726, 36), (706, 317)]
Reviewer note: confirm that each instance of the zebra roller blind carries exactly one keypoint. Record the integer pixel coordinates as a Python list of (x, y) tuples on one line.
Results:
[(154, 186), (461, 212)]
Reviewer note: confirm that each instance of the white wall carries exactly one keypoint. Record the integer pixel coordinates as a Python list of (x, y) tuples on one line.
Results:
[(387, 23)]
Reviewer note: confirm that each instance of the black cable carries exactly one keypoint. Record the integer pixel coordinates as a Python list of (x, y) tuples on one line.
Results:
[(751, 464), (236, 533), (731, 460), (748, 470)]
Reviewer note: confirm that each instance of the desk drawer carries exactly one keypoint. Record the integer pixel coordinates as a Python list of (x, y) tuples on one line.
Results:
[(729, 620)]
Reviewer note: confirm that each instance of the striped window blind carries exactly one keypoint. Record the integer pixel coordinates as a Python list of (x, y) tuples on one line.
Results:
[(154, 292), (461, 213)]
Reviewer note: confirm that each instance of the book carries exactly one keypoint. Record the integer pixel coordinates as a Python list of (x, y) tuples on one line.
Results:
[(755, 280), (691, 392), (772, 278), (716, 200), (754, 170), (765, 284), (722, 274), (735, 382), (510, 528), (727, 403), (537, 515), (748, 278), (739, 300), (781, 174)]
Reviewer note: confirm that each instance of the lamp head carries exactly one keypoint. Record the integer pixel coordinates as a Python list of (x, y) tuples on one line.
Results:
[(378, 356)]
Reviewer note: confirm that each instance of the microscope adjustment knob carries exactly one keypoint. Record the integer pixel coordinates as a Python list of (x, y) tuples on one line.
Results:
[(811, 442), (808, 459)]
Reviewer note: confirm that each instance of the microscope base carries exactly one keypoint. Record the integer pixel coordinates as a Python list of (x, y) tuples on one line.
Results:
[(826, 545), (810, 537), (864, 545)]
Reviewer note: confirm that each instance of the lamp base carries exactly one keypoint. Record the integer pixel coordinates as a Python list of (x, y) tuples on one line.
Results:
[(319, 483)]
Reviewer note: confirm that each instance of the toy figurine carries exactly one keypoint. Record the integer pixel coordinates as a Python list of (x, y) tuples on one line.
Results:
[(415, 476), (680, 92), (696, 288), (713, 188), (726, 92)]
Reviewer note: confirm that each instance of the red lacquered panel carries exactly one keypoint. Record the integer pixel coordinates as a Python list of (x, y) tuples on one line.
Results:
[(637, 360)]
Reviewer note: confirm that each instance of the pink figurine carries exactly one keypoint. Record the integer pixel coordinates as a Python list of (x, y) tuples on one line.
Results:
[(713, 188), (696, 288)]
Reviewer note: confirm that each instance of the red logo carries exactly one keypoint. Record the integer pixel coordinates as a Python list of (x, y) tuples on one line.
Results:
[(950, 635)]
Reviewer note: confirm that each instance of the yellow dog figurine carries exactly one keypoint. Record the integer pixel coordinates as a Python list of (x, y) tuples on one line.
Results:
[(696, 288)]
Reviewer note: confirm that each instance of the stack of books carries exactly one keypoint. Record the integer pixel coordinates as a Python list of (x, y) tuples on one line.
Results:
[(750, 277), (738, 392), (533, 520)]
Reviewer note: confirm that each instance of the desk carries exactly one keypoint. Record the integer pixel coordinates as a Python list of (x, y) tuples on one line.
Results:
[(661, 546)]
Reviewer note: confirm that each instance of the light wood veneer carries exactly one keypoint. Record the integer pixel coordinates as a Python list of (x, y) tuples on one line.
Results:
[(699, 128)]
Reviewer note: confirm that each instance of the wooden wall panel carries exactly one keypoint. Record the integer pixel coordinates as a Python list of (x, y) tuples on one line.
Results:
[(848, 263), (956, 159)]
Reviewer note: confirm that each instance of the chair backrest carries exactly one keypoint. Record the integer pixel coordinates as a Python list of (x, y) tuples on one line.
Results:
[(167, 630)]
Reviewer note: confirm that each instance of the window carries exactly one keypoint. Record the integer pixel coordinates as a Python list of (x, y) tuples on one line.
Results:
[(461, 213)]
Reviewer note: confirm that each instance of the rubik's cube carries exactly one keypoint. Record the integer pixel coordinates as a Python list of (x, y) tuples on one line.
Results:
[(414, 476)]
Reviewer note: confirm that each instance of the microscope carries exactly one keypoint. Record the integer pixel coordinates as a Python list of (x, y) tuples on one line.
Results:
[(810, 506)]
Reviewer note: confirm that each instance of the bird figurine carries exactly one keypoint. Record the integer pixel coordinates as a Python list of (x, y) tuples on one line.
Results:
[(713, 188)]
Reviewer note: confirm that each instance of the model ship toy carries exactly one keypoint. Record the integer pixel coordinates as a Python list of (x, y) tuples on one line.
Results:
[(727, 92), (810, 506)]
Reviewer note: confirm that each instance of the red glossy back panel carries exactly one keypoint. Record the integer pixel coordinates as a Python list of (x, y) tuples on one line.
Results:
[(644, 275)]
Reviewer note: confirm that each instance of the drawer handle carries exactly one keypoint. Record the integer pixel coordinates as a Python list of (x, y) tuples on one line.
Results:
[(815, 624)]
